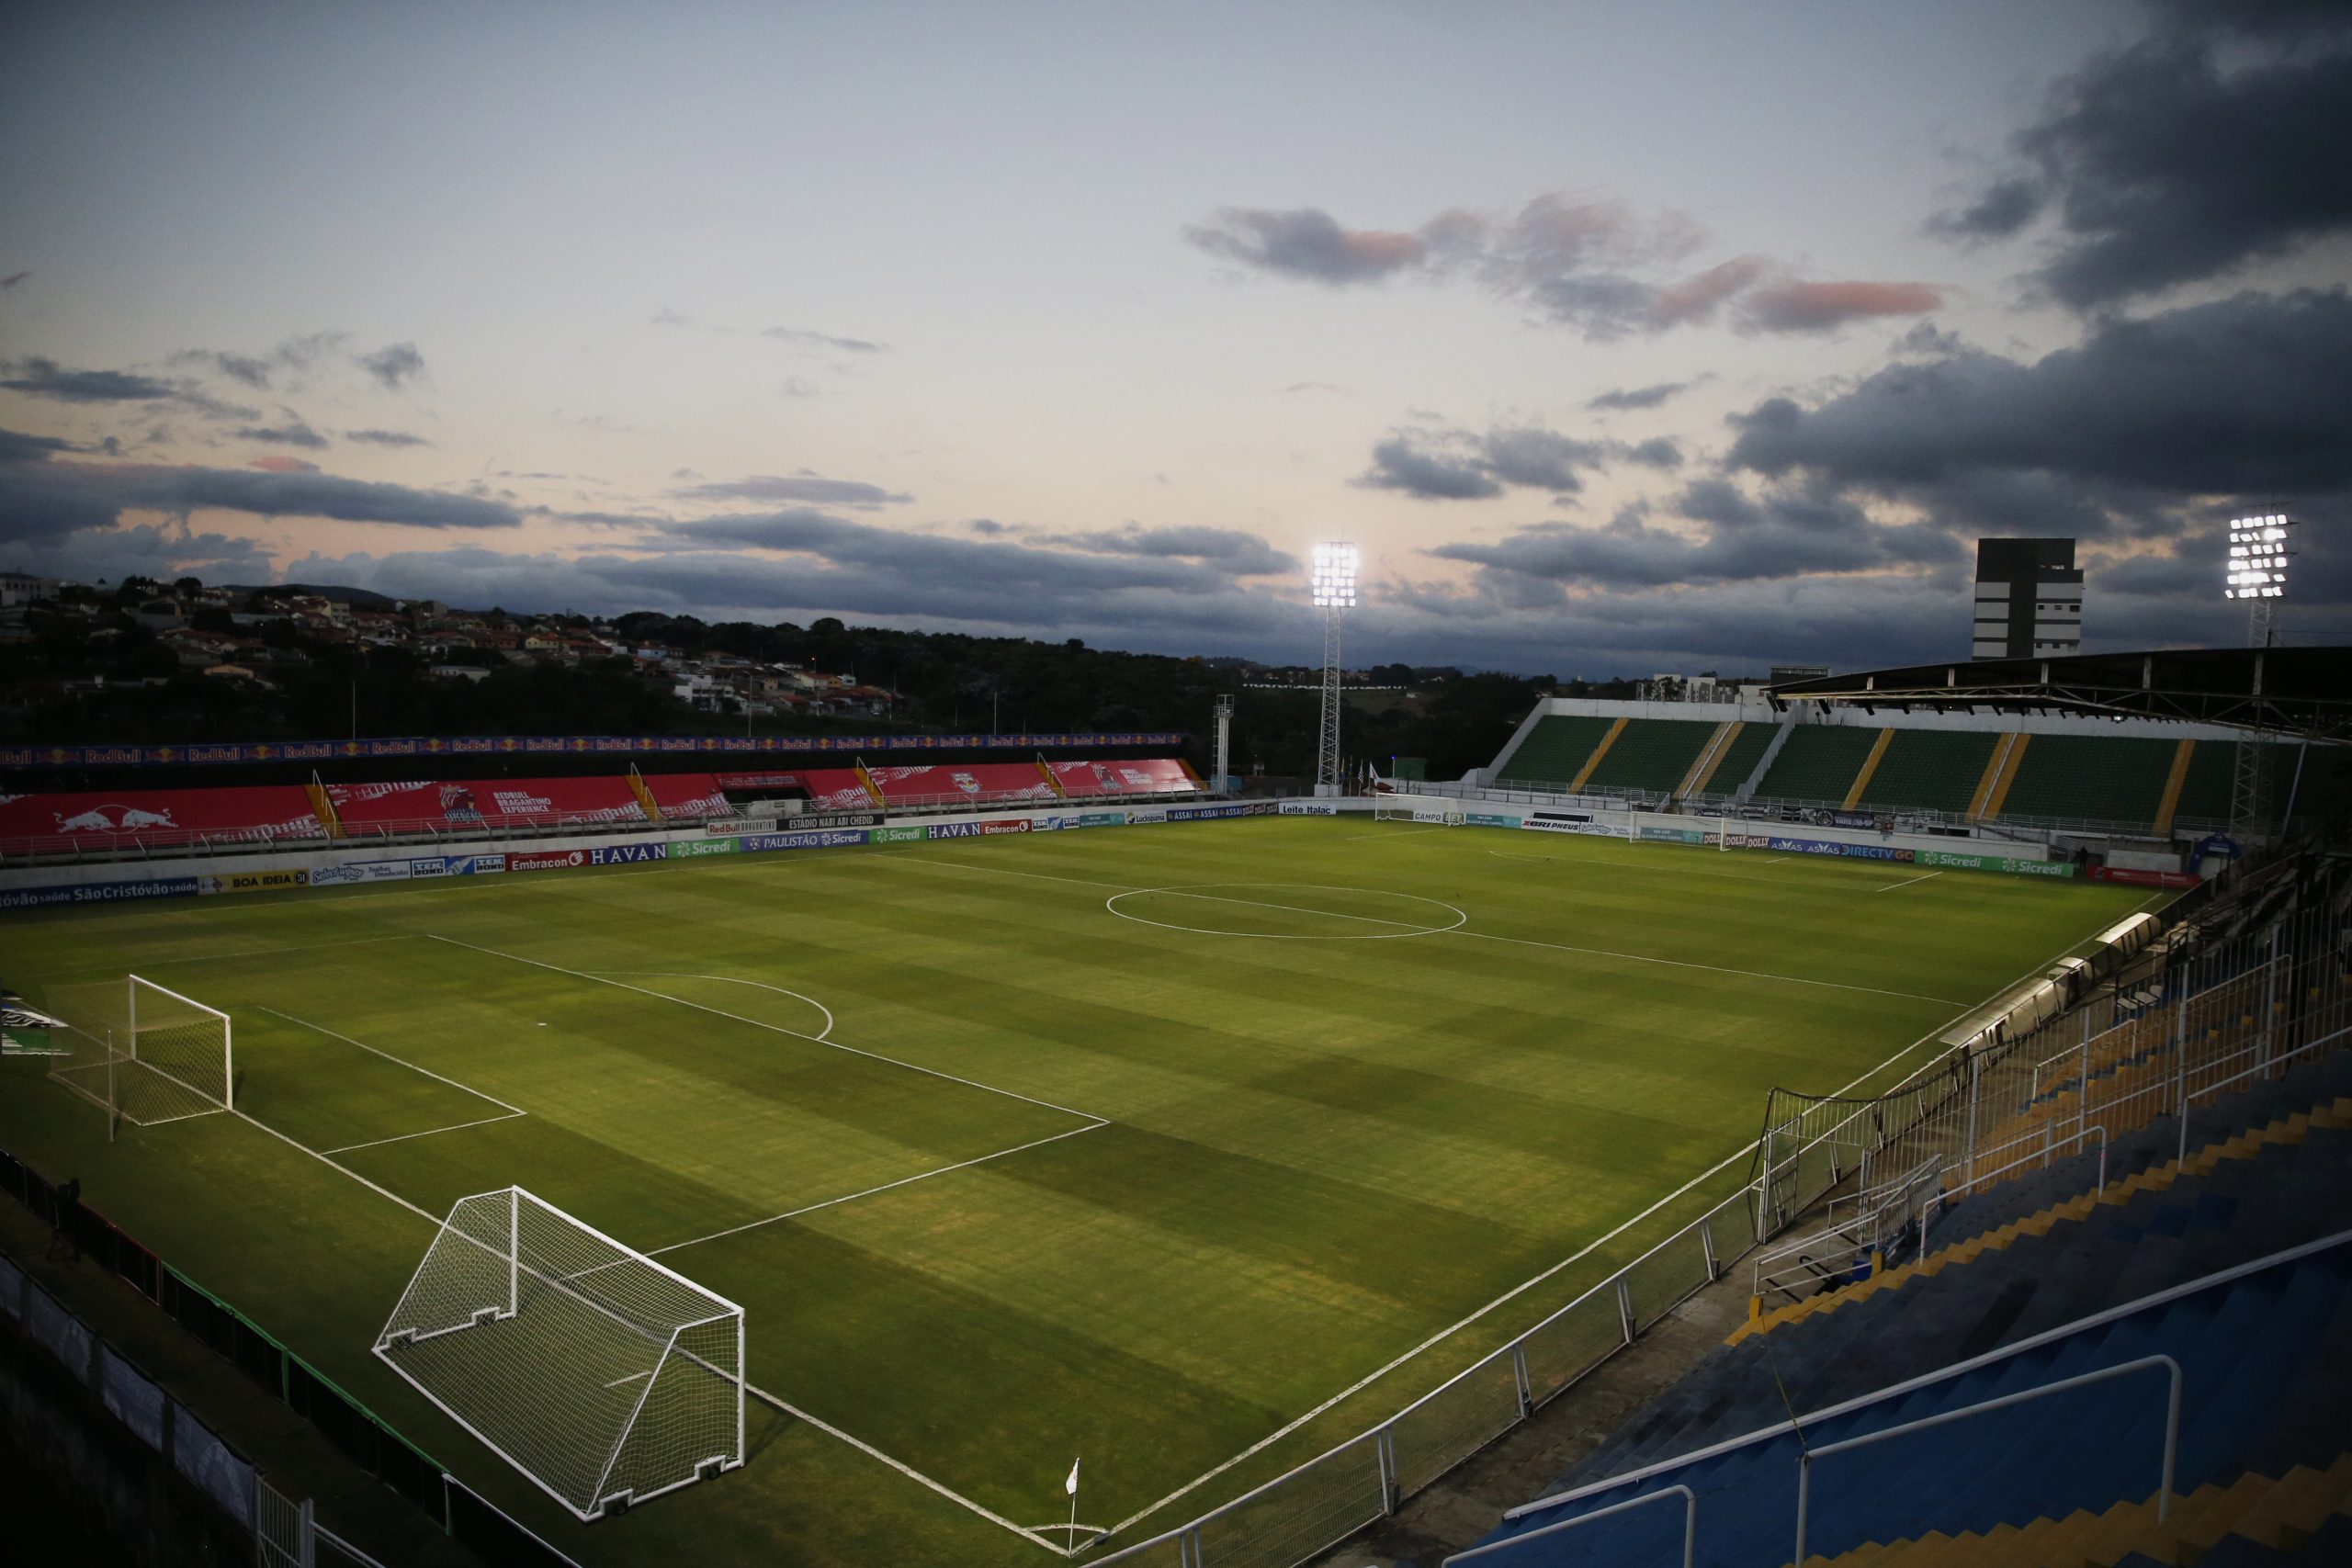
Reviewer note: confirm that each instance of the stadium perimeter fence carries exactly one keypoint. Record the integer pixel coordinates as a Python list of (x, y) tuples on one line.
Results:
[(226, 1478), (2273, 994)]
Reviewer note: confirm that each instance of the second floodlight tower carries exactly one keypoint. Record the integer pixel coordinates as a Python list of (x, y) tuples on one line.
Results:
[(1333, 583)]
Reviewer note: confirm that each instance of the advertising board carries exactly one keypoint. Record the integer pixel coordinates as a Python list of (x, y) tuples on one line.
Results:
[(912, 834), (685, 849), (542, 860), (830, 838), (253, 882), (99, 893), (359, 871), (1310, 809), (626, 854)]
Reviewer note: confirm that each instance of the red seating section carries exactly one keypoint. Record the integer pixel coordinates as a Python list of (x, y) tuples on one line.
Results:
[(684, 796), (47, 824), (836, 789), (476, 803), (160, 815), (1153, 775), (952, 781)]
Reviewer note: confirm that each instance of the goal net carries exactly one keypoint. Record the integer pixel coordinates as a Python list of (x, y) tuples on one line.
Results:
[(147, 1053), (601, 1375), (1418, 808)]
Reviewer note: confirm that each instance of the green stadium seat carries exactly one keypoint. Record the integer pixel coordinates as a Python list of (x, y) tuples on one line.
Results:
[(1651, 754), (1931, 770), (1555, 752), (2091, 778), (1739, 758), (1818, 764)]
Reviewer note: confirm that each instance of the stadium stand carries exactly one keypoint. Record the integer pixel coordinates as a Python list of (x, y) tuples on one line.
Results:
[(1553, 754), (414, 805), (838, 789), (2091, 778), (1152, 775), (2231, 1260), (1740, 753), (1929, 770), (954, 782), (1651, 754), (1818, 764), (686, 796), (156, 817)]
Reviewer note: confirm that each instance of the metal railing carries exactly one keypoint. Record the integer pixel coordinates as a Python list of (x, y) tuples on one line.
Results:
[(1690, 1525), (1808, 1457)]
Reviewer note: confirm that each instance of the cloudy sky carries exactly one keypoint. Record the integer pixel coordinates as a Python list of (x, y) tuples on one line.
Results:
[(1694, 334)]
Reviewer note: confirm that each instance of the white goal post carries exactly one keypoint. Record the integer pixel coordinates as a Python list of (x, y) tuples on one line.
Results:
[(146, 1053), (1439, 809), (601, 1375)]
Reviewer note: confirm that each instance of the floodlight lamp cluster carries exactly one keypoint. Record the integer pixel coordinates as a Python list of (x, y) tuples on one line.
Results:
[(1333, 580), (2259, 552)]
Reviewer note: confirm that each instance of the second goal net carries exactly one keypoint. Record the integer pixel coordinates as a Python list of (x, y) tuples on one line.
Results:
[(1437, 809), (601, 1375), (146, 1053)]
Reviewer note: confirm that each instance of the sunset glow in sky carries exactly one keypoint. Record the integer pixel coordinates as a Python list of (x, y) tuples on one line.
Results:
[(1695, 335)]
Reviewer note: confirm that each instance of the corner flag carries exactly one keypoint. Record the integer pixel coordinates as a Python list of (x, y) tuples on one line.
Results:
[(1070, 1486)]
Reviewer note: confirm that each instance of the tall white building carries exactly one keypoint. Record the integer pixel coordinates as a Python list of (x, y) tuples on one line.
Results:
[(2028, 599)]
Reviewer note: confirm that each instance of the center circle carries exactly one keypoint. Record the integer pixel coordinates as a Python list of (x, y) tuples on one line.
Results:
[(1286, 911)]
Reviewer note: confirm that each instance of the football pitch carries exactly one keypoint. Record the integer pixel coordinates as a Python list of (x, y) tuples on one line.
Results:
[(1142, 1146)]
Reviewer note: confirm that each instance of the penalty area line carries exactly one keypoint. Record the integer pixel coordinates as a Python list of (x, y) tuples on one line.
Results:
[(852, 1197), (762, 1395), (1892, 885)]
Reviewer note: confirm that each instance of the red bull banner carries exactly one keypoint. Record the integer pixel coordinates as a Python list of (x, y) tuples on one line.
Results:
[(230, 753)]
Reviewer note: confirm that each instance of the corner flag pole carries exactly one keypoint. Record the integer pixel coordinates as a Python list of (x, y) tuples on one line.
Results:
[(1069, 1547)]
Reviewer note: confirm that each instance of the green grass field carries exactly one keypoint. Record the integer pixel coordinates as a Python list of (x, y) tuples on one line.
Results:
[(1136, 1146)]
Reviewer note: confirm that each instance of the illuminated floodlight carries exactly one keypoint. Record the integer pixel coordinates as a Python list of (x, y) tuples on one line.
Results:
[(1333, 580), (2257, 562)]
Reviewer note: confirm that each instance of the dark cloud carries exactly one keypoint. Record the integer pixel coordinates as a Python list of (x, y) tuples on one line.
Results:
[(13, 279), (1230, 549), (1791, 305), (16, 446), (1638, 397), (989, 526), (2000, 209), (256, 370), (1402, 463), (43, 498), (2163, 165), (393, 367), (293, 432), (1439, 463), (386, 438), (1313, 386), (802, 486), (1596, 266), (2243, 396), (1307, 243), (802, 337), (1786, 533), (40, 378)]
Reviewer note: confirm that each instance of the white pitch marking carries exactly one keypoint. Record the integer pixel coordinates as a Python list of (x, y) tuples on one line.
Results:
[(1892, 885), (762, 1395), (868, 1193), (429, 1132), (775, 1028), (1392, 833), (1369, 1378), (373, 1051), (1490, 936), (631, 1377), (1409, 929), (731, 980)]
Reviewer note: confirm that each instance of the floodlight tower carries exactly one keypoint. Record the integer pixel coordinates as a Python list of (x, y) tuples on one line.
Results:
[(1223, 782), (2257, 574), (1333, 583)]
